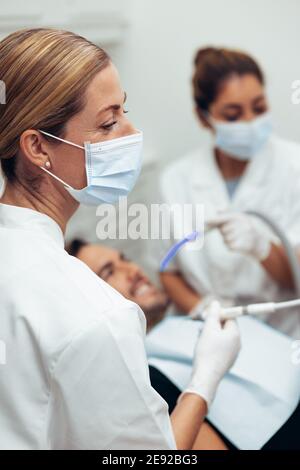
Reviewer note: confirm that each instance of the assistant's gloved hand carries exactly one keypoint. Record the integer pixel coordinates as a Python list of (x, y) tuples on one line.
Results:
[(200, 310), (216, 350), (242, 233)]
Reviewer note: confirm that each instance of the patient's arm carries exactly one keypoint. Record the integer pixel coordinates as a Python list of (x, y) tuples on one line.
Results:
[(208, 439), (183, 296)]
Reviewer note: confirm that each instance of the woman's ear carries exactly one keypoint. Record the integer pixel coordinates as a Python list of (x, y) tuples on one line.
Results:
[(201, 115), (34, 147)]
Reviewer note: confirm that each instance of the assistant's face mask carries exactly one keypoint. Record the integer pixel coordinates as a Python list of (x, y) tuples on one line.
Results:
[(112, 168), (242, 139)]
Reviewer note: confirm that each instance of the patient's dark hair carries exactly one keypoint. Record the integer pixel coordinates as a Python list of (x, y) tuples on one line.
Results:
[(75, 246)]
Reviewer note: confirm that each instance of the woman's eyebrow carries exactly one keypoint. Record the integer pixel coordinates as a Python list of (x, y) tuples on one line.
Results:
[(115, 107), (231, 106), (235, 106), (259, 98)]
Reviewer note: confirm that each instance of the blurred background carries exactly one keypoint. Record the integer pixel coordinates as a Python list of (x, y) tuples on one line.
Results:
[(153, 43)]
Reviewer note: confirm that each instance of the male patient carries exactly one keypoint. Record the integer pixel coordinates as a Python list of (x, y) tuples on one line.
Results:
[(128, 279), (125, 276)]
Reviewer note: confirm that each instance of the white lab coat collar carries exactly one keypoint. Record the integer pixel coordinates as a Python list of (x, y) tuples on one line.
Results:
[(206, 175), (30, 220)]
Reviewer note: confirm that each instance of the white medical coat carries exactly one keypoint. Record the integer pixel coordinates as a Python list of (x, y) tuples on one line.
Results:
[(270, 185), (76, 374)]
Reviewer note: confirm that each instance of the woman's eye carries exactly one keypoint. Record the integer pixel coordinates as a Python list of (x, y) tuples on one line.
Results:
[(260, 110), (108, 126), (232, 118)]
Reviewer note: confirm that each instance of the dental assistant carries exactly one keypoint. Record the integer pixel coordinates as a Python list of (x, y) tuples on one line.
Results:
[(76, 374), (244, 167)]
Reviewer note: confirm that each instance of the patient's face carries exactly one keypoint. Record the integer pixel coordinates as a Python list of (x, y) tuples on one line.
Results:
[(126, 277)]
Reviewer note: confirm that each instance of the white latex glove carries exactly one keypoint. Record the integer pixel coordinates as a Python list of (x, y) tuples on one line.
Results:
[(216, 350), (242, 233), (200, 310)]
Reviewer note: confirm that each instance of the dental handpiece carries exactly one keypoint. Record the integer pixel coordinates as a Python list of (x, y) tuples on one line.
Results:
[(257, 309), (227, 312)]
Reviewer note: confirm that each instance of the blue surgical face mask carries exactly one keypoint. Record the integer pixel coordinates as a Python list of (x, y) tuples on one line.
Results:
[(242, 139), (112, 168)]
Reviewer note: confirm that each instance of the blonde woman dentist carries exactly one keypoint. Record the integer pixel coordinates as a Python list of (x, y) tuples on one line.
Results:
[(244, 167), (76, 374)]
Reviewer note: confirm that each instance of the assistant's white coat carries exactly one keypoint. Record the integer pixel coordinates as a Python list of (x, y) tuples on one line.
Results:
[(270, 185)]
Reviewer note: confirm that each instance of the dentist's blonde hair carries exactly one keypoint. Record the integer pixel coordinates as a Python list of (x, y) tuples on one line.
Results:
[(46, 73)]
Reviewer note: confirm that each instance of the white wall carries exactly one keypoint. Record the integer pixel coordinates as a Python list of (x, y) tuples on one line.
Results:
[(155, 55), (156, 61)]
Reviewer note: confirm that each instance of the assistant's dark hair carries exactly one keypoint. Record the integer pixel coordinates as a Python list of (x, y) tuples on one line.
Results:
[(213, 66)]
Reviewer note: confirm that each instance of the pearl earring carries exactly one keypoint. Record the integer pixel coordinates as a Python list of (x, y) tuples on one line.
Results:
[(47, 164)]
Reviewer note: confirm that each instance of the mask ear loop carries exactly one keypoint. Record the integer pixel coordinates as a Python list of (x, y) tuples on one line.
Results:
[(56, 177), (209, 118), (62, 140), (66, 142), (3, 182)]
